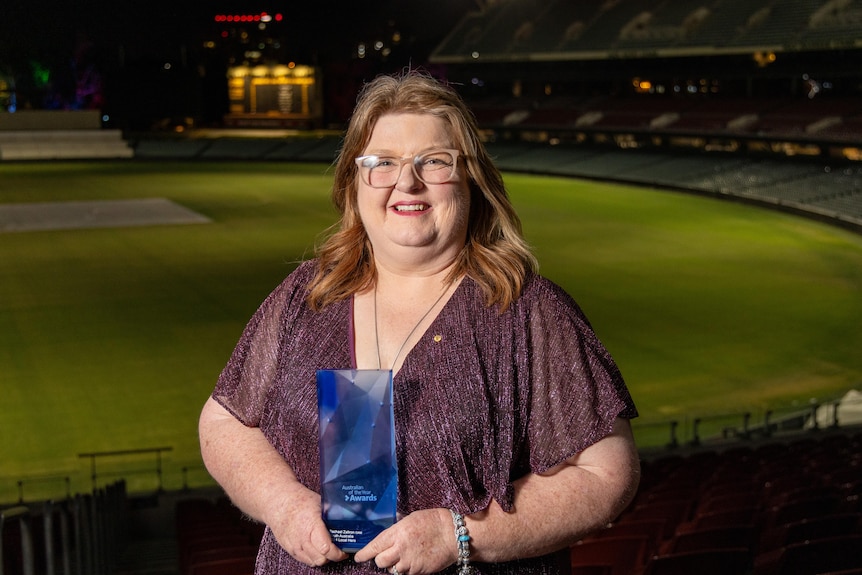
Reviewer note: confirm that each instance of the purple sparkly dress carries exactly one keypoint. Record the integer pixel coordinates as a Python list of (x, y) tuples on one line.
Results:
[(482, 399)]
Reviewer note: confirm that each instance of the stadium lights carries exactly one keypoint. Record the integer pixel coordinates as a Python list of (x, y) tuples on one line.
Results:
[(642, 86), (764, 59), (291, 70)]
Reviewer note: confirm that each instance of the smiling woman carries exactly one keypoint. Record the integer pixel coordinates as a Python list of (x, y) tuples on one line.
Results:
[(503, 397)]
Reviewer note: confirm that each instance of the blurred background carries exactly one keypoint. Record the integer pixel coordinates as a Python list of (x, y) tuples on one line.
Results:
[(188, 63)]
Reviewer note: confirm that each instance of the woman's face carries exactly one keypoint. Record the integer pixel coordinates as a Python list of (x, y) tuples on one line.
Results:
[(411, 221)]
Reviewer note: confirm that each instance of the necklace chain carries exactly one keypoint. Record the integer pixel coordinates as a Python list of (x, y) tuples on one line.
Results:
[(409, 335)]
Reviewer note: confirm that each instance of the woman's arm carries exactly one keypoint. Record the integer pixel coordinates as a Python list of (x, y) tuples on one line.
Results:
[(261, 483), (555, 509), (551, 511)]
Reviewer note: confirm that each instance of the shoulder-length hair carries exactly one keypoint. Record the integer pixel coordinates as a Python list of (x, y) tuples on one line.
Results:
[(495, 254)]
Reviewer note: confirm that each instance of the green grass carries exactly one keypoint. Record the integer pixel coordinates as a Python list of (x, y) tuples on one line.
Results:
[(111, 339)]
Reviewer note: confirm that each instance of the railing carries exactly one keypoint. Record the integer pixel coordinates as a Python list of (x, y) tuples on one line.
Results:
[(146, 470), (65, 479), (733, 427), (79, 536), (101, 455)]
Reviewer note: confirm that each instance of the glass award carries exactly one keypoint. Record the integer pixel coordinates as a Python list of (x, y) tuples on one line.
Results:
[(358, 474)]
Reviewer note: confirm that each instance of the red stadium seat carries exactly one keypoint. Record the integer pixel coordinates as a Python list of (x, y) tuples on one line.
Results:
[(816, 556), (703, 562), (621, 555), (737, 536)]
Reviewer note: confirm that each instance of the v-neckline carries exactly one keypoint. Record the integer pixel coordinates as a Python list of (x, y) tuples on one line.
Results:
[(352, 329)]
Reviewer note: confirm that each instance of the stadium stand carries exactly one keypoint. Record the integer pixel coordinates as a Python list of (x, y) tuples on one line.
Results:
[(59, 135), (232, 147), (737, 75), (808, 187), (763, 507), (828, 118), (773, 508), (63, 145), (560, 30)]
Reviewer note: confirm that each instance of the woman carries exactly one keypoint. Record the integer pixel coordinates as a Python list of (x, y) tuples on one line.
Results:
[(508, 410)]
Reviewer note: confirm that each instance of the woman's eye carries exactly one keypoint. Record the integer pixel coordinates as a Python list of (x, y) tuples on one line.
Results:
[(436, 161)]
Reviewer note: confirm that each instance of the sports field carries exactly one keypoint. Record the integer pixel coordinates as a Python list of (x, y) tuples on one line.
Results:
[(112, 335)]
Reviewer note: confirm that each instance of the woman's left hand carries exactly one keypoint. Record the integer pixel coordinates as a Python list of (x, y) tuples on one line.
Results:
[(420, 543)]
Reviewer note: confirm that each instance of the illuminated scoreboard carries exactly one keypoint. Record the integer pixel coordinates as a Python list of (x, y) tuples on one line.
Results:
[(274, 95)]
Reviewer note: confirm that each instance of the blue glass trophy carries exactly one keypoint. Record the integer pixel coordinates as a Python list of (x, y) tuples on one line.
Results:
[(358, 473)]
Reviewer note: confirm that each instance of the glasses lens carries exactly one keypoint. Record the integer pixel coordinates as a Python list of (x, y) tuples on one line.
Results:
[(378, 171), (435, 167)]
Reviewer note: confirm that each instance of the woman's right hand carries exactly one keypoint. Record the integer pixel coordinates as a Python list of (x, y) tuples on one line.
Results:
[(299, 529), (261, 483)]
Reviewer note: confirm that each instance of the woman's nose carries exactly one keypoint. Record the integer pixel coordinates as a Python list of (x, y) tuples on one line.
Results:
[(407, 180)]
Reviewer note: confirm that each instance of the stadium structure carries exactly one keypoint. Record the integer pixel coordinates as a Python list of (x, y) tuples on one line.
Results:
[(755, 100), (712, 96)]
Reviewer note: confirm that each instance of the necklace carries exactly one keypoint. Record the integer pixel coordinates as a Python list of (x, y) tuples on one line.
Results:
[(409, 335)]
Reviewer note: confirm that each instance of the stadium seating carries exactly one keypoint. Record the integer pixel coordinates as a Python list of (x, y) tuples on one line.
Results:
[(619, 555), (226, 147), (816, 119), (63, 145), (518, 29), (775, 508), (712, 561), (214, 538), (768, 507), (809, 187)]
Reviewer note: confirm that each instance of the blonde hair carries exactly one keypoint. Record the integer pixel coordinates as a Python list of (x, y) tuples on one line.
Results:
[(495, 254)]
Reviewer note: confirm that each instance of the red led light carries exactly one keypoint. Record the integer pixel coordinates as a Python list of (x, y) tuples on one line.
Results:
[(262, 17)]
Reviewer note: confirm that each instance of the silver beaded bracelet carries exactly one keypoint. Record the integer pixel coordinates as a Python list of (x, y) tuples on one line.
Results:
[(463, 539)]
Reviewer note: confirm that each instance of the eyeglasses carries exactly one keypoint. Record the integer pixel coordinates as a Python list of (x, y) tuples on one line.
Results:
[(432, 167)]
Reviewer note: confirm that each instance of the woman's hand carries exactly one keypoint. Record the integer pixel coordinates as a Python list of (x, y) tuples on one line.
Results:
[(262, 484), (298, 528), (422, 542)]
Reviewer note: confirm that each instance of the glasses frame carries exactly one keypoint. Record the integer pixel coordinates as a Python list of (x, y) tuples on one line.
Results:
[(365, 171)]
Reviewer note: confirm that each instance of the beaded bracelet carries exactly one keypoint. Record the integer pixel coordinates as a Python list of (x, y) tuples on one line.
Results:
[(463, 539)]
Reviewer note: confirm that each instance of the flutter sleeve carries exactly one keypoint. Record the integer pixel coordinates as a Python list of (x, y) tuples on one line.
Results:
[(576, 391), (251, 371)]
